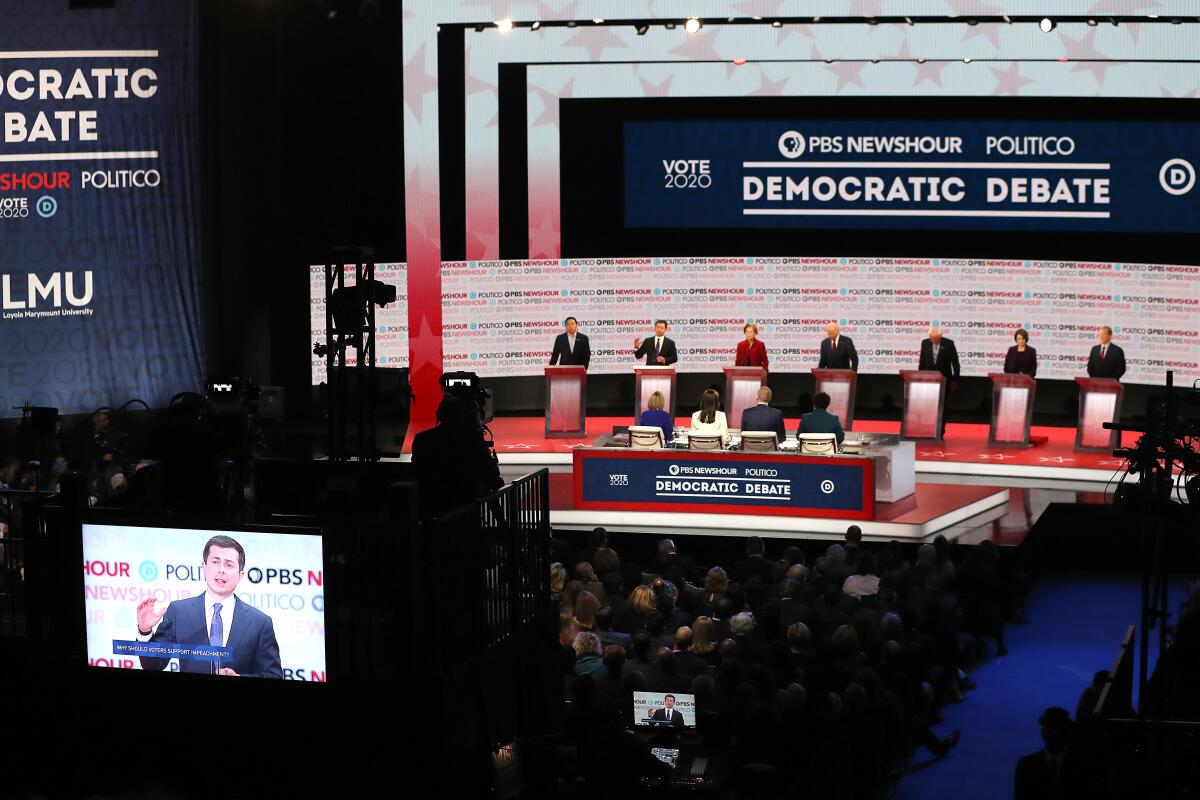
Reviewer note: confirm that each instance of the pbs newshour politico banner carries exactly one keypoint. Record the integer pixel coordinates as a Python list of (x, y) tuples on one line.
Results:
[(977, 175), (99, 292), (284, 579), (391, 322), (500, 317)]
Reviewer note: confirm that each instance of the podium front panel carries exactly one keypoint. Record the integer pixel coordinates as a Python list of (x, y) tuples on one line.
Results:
[(741, 392), (565, 404), (1012, 410), (922, 400), (1096, 408)]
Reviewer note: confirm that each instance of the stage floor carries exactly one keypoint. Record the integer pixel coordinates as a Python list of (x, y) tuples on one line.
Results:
[(965, 451)]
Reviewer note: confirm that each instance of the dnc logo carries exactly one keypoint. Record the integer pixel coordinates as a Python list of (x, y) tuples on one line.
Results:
[(791, 144), (148, 571)]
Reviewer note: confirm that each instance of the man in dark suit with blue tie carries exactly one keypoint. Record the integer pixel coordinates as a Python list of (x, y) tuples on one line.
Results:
[(837, 351), (764, 418), (216, 618), (1106, 359), (820, 420), (571, 349), (658, 351)]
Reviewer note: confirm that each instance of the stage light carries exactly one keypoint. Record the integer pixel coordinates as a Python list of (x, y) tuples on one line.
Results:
[(1007, 19), (776, 24), (598, 20), (571, 24), (967, 60), (535, 26), (641, 29), (479, 28), (920, 61), (692, 25), (1091, 23), (670, 26), (872, 21), (1047, 25), (908, 21), (874, 60), (739, 61), (972, 22), (504, 25)]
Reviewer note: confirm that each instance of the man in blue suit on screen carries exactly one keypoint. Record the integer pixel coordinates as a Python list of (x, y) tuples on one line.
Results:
[(821, 421), (764, 418), (217, 618)]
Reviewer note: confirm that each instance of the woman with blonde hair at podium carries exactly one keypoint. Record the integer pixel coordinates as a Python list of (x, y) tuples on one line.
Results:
[(710, 418)]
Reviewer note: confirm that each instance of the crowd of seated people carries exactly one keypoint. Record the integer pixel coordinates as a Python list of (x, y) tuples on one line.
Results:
[(827, 673)]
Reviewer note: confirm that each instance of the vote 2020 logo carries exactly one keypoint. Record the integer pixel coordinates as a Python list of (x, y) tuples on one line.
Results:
[(1177, 177)]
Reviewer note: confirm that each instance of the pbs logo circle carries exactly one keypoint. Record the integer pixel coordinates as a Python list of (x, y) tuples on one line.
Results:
[(673, 469), (148, 571), (46, 206), (1177, 177), (827, 486), (791, 144)]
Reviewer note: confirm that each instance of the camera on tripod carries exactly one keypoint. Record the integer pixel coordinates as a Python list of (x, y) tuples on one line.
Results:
[(465, 387)]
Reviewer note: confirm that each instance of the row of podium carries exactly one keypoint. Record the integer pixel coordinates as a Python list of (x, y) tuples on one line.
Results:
[(921, 418)]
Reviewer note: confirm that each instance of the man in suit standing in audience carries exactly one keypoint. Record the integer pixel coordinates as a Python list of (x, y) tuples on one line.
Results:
[(764, 418), (820, 420), (1106, 360), (837, 351), (571, 348)]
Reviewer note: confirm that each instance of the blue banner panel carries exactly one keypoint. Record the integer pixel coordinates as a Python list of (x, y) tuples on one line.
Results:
[(995, 175), (786, 485), (99, 248)]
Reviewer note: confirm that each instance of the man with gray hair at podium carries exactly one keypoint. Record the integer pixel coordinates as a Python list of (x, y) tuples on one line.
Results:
[(837, 351)]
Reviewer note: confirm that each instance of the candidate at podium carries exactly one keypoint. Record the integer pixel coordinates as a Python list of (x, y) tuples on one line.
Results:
[(659, 351), (764, 418), (710, 418), (820, 420), (751, 352), (1021, 358), (837, 351), (571, 348), (668, 714), (938, 354), (1106, 360), (655, 416)]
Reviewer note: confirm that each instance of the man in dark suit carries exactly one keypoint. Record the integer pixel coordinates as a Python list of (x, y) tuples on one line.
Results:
[(216, 618), (659, 351), (453, 461), (1107, 360), (764, 418), (668, 714), (837, 351), (1058, 771), (939, 354), (820, 420), (571, 348)]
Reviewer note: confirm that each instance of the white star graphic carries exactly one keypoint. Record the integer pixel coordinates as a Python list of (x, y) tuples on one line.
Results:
[(936, 454), (997, 456), (1109, 462), (519, 446), (1054, 459)]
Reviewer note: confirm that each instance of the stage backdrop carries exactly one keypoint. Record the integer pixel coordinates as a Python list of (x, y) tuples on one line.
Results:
[(98, 205), (500, 317)]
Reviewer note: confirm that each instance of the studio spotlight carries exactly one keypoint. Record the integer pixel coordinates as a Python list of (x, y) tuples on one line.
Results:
[(920, 61), (504, 25), (1091, 23), (872, 21), (967, 60), (1047, 25), (535, 26), (972, 22), (598, 20), (641, 29), (776, 24), (669, 26), (692, 25), (571, 24)]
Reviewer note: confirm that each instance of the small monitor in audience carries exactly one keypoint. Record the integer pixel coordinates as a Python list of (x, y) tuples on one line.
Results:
[(666, 710)]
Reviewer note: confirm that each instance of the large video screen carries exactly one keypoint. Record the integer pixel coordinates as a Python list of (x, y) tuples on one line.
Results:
[(210, 602)]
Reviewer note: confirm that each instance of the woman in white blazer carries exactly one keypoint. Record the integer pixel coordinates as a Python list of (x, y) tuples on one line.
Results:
[(710, 419)]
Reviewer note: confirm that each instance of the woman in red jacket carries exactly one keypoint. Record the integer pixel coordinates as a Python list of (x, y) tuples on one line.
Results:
[(751, 352)]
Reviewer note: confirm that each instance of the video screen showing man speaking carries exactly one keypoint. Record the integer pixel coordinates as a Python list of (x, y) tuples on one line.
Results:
[(657, 709), (228, 603)]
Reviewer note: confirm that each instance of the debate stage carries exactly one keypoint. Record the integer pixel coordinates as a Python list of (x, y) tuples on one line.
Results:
[(966, 490)]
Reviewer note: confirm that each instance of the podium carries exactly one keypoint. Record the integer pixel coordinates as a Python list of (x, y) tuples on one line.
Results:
[(924, 404), (647, 381), (566, 401), (741, 391), (839, 384), (1012, 408), (1099, 402)]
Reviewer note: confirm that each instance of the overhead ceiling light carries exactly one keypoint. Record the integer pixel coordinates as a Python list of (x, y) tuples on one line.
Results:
[(829, 61), (571, 24), (920, 61), (692, 25), (967, 60), (1047, 25), (972, 22), (908, 20), (1007, 19), (739, 61), (874, 60), (535, 26), (598, 20), (872, 21), (504, 25), (1091, 23), (776, 24), (479, 28), (642, 28), (670, 26)]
